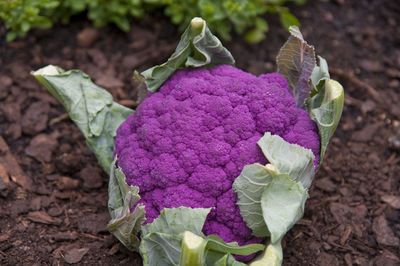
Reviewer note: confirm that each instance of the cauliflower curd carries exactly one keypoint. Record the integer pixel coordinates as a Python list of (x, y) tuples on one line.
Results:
[(186, 143)]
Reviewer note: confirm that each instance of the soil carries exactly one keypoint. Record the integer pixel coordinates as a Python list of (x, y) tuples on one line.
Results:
[(53, 194)]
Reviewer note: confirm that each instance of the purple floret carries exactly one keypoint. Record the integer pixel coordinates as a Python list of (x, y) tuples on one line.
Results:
[(186, 144)]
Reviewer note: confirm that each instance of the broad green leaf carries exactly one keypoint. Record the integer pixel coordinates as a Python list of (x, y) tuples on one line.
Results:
[(258, 32), (254, 36), (288, 19), (291, 159), (176, 238), (215, 243), (219, 253), (227, 260), (296, 62), (282, 204), (90, 107), (124, 224), (272, 256), (249, 186), (319, 73), (198, 47), (325, 108), (160, 249), (178, 220)]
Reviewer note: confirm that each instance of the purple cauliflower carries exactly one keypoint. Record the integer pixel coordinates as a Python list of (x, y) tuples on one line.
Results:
[(186, 143)]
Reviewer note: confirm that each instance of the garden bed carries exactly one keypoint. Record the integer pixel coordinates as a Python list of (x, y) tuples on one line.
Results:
[(54, 211)]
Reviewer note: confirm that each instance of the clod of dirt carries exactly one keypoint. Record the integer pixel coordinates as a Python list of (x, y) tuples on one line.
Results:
[(91, 176), (5, 81), (98, 57), (55, 211), (11, 111), (75, 255), (66, 183), (3, 188), (42, 217), (5, 183), (68, 163), (131, 61), (393, 73), (325, 184), (41, 147), (325, 259), (18, 207), (344, 214), (5, 236), (109, 82), (35, 204), (384, 234), (392, 201), (14, 131), (35, 118), (387, 259), (394, 142), (367, 133), (395, 110), (94, 223), (368, 106), (87, 37), (372, 66)]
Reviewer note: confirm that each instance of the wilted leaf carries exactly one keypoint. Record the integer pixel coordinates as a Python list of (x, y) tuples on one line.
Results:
[(296, 61), (282, 204), (291, 159), (249, 186), (177, 220), (288, 19), (89, 106), (124, 224), (325, 108), (198, 47)]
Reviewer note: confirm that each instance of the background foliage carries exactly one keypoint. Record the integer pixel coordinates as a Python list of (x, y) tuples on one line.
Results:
[(242, 16)]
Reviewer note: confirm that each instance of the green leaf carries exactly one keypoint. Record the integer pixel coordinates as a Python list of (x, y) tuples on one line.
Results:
[(320, 72), (160, 249), (170, 225), (325, 108), (296, 62), (226, 260), (285, 158), (124, 224), (282, 204), (89, 106), (254, 36), (249, 186), (272, 256), (288, 19), (198, 47), (291, 159), (178, 220), (258, 33), (176, 238), (215, 243)]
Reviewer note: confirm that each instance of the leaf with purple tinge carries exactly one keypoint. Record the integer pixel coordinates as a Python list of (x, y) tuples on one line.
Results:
[(296, 62)]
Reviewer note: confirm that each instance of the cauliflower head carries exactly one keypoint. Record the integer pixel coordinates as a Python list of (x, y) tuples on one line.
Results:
[(186, 143)]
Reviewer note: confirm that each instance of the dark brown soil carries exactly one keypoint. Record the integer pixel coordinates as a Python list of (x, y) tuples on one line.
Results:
[(53, 209)]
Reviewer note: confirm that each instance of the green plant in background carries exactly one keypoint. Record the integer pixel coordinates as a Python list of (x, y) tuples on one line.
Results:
[(245, 16), (20, 16), (242, 16)]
